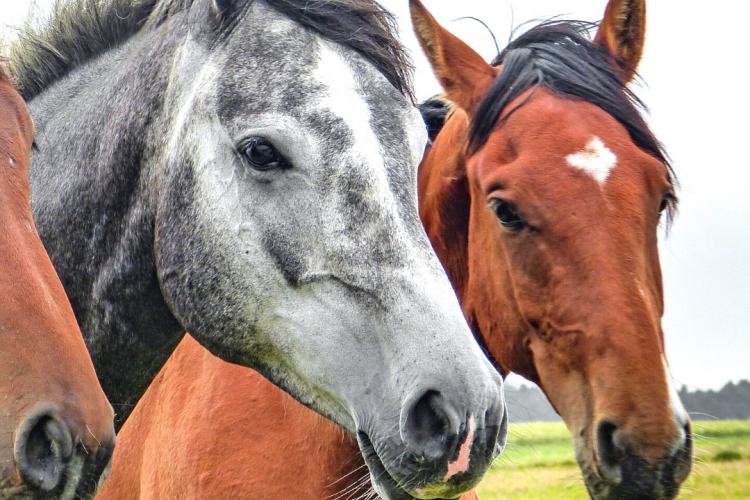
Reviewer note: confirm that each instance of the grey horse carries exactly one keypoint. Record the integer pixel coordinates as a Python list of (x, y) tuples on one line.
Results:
[(246, 171)]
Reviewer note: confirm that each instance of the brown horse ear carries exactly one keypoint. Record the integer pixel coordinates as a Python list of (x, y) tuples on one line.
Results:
[(623, 33), (464, 75)]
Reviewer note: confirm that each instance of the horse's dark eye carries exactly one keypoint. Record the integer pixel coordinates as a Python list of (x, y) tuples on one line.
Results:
[(664, 204), (507, 214), (261, 155), (666, 201)]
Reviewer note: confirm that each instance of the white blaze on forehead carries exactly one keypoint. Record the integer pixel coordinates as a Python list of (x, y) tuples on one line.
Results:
[(595, 159), (343, 100)]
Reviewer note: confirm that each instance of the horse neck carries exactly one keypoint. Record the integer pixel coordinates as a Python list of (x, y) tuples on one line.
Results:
[(92, 175)]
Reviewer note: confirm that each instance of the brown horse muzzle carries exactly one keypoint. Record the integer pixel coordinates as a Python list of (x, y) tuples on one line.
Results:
[(626, 473)]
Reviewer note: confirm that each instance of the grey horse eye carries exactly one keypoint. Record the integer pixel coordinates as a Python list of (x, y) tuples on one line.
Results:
[(261, 155)]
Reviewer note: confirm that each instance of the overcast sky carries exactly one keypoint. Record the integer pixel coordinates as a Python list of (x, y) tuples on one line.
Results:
[(696, 78)]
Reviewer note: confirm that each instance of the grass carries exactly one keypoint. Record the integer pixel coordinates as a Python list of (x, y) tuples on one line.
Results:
[(539, 464)]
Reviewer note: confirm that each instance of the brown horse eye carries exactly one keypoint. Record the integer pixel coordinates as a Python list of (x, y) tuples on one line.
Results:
[(261, 155), (666, 200), (664, 204), (508, 215)]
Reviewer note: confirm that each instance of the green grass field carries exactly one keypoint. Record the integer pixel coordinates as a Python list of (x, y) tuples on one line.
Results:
[(539, 464)]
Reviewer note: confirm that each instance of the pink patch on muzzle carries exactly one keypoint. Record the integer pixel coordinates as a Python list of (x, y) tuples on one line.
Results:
[(461, 464)]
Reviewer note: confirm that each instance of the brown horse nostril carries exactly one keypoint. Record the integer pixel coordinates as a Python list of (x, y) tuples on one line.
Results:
[(610, 454), (683, 458), (43, 445), (430, 429)]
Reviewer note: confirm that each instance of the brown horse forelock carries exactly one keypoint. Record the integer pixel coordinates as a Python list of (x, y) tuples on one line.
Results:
[(45, 370)]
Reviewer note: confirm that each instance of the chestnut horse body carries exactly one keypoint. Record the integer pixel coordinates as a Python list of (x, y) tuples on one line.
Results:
[(57, 425), (546, 225)]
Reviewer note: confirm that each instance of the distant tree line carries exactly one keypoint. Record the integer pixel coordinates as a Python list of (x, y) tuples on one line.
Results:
[(731, 402)]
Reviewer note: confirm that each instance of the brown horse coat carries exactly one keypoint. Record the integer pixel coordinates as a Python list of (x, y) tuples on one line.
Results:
[(248, 438)]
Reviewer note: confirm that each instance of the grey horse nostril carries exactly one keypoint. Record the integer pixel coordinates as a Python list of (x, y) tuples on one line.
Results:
[(430, 428), (43, 445)]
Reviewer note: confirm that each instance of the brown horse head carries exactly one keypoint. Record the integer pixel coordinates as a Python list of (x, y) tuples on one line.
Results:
[(57, 425), (542, 196)]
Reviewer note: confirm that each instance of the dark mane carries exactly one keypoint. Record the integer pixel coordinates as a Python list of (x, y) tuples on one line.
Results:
[(435, 112), (80, 30), (560, 56)]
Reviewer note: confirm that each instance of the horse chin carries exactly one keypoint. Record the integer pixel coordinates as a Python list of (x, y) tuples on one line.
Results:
[(387, 488), (382, 482)]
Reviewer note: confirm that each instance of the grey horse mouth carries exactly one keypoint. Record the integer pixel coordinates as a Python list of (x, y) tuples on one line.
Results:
[(378, 472), (385, 481)]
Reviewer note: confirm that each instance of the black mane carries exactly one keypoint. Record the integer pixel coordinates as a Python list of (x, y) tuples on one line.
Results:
[(81, 30), (560, 56), (435, 112)]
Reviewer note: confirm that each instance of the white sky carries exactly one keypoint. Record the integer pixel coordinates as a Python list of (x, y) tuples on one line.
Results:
[(696, 72)]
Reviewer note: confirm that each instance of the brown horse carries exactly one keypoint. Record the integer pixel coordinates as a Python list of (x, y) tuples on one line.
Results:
[(546, 224), (57, 425), (542, 197)]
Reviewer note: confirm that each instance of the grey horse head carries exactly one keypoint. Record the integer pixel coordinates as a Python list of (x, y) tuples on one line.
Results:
[(264, 171)]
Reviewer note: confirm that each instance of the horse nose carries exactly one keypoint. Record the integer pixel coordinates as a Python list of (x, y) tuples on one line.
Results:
[(434, 430), (50, 458), (611, 451), (430, 427), (621, 465), (44, 444)]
